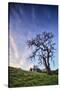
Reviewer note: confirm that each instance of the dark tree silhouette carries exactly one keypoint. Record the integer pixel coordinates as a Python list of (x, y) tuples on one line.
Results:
[(35, 68), (43, 49)]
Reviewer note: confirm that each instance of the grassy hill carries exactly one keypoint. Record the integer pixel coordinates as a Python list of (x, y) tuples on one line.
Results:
[(21, 78)]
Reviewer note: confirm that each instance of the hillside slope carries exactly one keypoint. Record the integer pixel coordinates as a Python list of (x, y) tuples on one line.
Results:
[(21, 78)]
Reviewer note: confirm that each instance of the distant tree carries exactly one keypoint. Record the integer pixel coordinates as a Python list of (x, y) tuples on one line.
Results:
[(35, 68), (31, 69), (43, 49)]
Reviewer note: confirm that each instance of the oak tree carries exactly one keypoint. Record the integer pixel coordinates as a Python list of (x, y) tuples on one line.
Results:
[(43, 45)]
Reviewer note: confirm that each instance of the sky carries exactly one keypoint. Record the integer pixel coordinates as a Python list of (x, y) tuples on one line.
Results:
[(25, 21)]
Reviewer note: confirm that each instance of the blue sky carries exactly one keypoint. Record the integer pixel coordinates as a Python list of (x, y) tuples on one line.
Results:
[(25, 21)]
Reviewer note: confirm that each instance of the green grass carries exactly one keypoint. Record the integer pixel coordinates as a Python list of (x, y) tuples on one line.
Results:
[(21, 78)]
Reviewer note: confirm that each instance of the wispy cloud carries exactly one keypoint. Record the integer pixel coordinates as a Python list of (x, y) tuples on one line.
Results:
[(33, 14), (13, 44), (17, 59)]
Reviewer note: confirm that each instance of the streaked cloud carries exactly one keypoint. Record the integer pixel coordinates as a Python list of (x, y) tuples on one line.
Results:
[(17, 59), (33, 14), (13, 44)]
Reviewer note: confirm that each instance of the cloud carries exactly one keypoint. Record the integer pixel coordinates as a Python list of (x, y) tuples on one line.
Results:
[(13, 53), (13, 44), (24, 64), (18, 59), (33, 14)]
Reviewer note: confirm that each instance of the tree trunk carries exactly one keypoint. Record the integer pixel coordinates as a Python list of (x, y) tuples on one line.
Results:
[(48, 70), (47, 66)]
